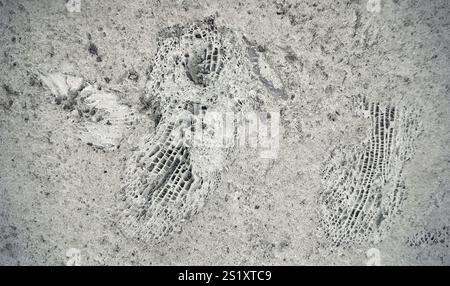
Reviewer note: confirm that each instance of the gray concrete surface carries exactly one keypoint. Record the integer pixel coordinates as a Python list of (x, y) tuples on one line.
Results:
[(60, 172)]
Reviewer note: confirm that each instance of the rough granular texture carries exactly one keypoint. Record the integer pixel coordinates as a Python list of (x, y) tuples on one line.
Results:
[(363, 188), (430, 237), (197, 68)]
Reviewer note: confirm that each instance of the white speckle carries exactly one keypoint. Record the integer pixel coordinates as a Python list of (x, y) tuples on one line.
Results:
[(374, 257), (73, 6), (73, 257), (373, 6)]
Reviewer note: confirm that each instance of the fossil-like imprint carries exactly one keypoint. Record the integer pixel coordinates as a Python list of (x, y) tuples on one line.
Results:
[(430, 236), (363, 185), (197, 68)]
